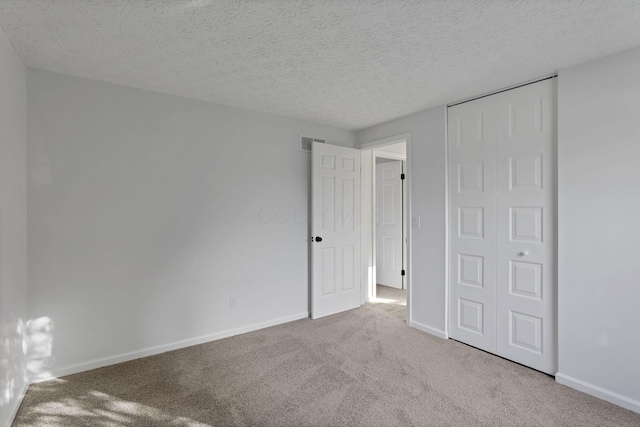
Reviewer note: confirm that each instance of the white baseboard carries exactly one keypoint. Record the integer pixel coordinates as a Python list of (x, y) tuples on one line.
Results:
[(13, 409), (125, 357), (428, 329), (599, 392)]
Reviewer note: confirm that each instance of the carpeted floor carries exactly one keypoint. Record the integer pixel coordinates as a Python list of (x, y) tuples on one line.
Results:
[(389, 295), (362, 367), (396, 300)]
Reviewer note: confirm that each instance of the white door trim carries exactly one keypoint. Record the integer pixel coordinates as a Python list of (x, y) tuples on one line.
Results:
[(378, 143), (447, 239), (389, 155), (368, 227)]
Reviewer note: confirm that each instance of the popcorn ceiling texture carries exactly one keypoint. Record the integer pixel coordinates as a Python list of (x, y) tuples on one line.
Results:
[(349, 64)]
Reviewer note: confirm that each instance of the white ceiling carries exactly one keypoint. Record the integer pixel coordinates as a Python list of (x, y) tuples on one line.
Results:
[(350, 64)]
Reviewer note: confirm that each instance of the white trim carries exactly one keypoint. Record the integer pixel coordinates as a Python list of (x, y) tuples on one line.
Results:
[(599, 392), (429, 330), (125, 357), (389, 155), (386, 141), (407, 215), (405, 227), (446, 221), (13, 411), (374, 227)]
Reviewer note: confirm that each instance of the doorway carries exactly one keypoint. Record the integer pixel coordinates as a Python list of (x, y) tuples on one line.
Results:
[(385, 237), (389, 222)]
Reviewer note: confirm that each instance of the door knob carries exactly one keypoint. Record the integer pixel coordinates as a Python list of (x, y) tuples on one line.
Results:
[(318, 239), (523, 253)]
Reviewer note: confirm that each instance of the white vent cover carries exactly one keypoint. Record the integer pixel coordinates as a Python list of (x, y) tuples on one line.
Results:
[(305, 142)]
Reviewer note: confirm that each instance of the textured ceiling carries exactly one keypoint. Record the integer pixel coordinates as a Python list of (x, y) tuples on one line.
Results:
[(348, 63)]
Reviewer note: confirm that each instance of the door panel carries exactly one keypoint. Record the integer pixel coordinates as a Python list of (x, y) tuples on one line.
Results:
[(335, 194), (525, 236), (472, 273), (389, 224)]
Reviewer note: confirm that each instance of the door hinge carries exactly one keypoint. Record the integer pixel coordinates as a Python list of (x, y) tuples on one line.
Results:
[(402, 273), (401, 176)]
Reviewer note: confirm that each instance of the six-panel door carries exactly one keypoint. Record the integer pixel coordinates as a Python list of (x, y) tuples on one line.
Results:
[(389, 224), (335, 249)]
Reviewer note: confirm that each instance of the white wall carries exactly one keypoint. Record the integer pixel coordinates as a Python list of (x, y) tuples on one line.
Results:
[(148, 212), (427, 157), (366, 229), (13, 229), (599, 212)]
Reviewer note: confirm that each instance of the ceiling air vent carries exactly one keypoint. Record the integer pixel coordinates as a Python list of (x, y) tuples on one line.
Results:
[(305, 142)]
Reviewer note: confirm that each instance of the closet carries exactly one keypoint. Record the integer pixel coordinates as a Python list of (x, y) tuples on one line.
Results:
[(502, 238)]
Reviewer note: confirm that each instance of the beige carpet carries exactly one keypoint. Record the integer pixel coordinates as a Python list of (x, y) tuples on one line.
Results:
[(396, 300), (364, 367)]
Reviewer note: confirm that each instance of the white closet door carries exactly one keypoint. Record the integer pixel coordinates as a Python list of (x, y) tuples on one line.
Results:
[(502, 290), (525, 195), (472, 298)]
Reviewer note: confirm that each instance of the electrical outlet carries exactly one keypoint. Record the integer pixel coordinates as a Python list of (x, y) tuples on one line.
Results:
[(233, 303)]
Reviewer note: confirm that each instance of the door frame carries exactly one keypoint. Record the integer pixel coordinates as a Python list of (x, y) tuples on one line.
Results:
[(370, 151)]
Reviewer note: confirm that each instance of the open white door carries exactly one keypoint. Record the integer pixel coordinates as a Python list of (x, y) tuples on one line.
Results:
[(335, 225), (389, 224)]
